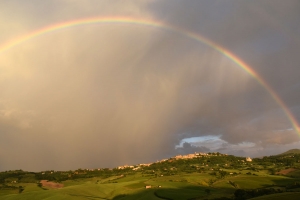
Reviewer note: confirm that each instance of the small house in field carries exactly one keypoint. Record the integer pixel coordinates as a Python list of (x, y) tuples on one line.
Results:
[(148, 186), (248, 159)]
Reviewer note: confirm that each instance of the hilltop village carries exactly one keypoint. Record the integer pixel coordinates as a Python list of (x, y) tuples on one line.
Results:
[(178, 157), (197, 162), (174, 165), (200, 175)]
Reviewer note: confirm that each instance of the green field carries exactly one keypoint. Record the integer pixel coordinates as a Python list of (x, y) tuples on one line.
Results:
[(184, 186), (221, 177)]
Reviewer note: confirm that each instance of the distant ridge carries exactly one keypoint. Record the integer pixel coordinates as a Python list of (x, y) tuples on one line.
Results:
[(291, 151)]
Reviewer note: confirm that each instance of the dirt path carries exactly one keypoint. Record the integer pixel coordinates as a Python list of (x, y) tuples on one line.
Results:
[(51, 185), (286, 171)]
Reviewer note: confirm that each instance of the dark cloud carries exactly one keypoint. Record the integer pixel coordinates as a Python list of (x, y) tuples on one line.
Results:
[(238, 153)]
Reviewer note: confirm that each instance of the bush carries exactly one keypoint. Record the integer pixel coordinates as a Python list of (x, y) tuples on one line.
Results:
[(21, 189)]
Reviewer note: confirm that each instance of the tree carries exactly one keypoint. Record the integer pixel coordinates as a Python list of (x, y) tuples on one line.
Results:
[(222, 174), (272, 171), (21, 189), (207, 191), (211, 182), (39, 184)]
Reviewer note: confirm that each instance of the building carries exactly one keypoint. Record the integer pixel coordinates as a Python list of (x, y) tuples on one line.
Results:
[(248, 159), (125, 166)]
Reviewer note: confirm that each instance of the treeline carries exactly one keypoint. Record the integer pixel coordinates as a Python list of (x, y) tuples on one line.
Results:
[(19, 176), (288, 160), (16, 176)]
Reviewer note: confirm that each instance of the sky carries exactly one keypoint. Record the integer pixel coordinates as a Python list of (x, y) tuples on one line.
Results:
[(108, 94)]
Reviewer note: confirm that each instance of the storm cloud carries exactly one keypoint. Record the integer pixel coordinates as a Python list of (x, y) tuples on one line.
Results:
[(102, 95)]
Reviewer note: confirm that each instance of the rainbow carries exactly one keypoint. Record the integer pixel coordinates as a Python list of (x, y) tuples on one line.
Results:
[(147, 22)]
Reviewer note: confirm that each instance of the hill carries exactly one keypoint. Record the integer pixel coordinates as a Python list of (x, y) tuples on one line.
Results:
[(194, 176), (291, 151)]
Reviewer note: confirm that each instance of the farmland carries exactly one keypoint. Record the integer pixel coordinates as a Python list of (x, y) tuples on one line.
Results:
[(214, 176)]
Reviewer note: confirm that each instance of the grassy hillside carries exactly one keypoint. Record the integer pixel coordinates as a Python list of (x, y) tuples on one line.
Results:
[(291, 151), (212, 176), (185, 186)]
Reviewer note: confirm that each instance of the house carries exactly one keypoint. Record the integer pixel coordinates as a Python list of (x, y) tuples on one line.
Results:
[(125, 166), (248, 159), (145, 165), (178, 157), (136, 168)]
